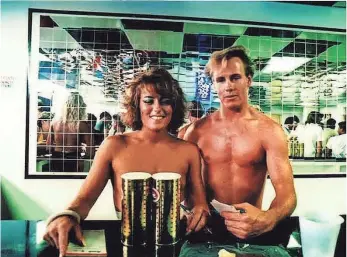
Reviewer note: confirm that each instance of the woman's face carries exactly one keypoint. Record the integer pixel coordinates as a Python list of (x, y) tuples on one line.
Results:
[(156, 111)]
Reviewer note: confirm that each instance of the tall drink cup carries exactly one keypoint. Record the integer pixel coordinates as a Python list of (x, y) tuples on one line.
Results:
[(136, 208), (319, 233), (166, 194)]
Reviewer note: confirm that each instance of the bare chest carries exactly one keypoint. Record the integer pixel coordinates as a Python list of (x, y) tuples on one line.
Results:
[(226, 146), (151, 160)]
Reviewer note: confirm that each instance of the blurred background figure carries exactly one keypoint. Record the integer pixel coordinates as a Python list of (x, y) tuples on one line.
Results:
[(311, 135), (329, 131), (69, 136), (290, 125), (103, 127), (336, 146), (118, 126), (43, 125), (91, 120), (195, 112)]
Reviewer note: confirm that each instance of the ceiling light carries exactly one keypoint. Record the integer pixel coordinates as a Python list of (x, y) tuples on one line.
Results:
[(284, 64)]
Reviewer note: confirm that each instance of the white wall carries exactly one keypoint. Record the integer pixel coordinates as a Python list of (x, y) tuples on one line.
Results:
[(54, 195)]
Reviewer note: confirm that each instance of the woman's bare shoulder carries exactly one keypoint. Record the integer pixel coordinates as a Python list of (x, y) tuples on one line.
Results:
[(122, 139)]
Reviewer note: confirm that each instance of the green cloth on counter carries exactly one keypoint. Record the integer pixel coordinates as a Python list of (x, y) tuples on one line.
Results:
[(211, 249)]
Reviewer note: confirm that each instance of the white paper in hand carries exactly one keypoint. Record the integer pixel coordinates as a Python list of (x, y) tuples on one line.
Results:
[(223, 207)]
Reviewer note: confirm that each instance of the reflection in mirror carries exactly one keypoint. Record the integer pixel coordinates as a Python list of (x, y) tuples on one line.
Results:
[(80, 67)]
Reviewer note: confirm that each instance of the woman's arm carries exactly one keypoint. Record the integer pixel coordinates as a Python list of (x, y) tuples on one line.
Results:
[(58, 230)]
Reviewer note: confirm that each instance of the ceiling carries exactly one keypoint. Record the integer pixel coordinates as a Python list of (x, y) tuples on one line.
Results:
[(103, 53), (339, 4)]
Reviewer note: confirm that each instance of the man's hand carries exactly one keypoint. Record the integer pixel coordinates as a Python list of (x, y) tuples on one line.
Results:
[(197, 218), (248, 223), (57, 233)]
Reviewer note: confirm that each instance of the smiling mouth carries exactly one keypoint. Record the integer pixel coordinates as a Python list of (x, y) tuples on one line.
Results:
[(157, 117)]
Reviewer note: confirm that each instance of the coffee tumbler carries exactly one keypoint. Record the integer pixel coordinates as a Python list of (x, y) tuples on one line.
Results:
[(166, 192), (136, 208)]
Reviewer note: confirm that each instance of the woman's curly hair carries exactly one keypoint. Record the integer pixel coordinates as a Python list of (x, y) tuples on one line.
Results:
[(164, 85)]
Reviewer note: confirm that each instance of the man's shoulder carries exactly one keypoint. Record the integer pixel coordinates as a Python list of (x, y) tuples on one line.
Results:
[(197, 129), (183, 144), (267, 123), (202, 124), (182, 130)]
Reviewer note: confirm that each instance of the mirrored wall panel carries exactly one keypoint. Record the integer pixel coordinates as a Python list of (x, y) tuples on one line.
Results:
[(81, 64)]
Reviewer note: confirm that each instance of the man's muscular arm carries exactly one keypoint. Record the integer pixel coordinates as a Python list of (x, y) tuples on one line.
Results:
[(254, 221), (281, 175)]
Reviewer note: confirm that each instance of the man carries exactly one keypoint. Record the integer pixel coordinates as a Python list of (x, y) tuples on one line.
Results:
[(336, 146), (328, 132), (240, 146), (195, 112)]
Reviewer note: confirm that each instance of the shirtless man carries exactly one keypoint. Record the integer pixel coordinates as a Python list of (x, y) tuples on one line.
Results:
[(240, 146), (154, 107)]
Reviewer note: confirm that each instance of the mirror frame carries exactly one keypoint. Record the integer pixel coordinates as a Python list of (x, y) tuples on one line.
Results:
[(29, 162)]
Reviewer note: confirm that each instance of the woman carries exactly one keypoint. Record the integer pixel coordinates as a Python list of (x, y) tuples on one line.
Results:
[(69, 135), (154, 105)]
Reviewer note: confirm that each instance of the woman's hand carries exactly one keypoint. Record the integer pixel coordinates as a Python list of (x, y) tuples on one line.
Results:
[(197, 218), (57, 233)]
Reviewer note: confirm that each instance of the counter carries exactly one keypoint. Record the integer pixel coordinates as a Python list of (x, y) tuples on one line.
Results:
[(318, 167)]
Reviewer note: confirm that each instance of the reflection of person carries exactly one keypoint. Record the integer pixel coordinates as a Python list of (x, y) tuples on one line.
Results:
[(290, 124), (195, 112), (336, 146), (68, 132), (117, 126), (328, 132), (43, 125), (91, 118), (240, 146), (154, 106), (311, 135), (103, 125)]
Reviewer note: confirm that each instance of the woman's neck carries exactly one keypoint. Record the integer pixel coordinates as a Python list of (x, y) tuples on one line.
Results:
[(152, 135)]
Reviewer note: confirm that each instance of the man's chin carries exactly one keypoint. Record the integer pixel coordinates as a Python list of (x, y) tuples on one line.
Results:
[(232, 106)]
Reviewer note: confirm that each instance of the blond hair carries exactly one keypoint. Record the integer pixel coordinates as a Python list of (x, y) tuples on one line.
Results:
[(218, 57)]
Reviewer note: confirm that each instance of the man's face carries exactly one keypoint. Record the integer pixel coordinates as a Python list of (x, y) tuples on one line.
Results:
[(231, 83), (340, 131), (156, 111)]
